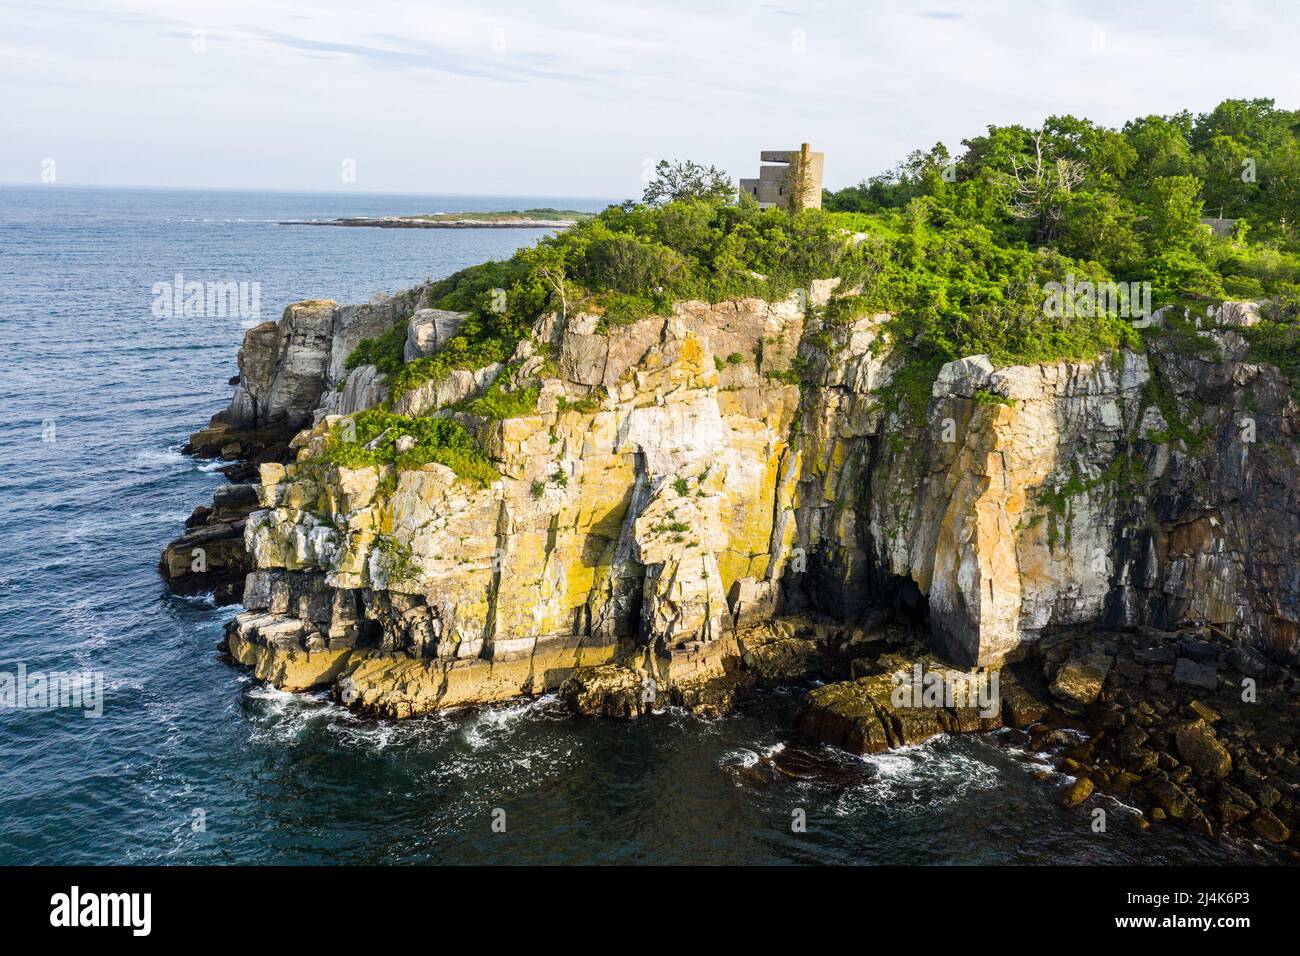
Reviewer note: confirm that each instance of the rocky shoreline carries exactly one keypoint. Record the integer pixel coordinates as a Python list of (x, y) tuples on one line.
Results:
[(679, 523), (411, 222), (210, 556), (1151, 722)]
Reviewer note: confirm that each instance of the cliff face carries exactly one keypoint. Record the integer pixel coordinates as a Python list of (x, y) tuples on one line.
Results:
[(685, 481)]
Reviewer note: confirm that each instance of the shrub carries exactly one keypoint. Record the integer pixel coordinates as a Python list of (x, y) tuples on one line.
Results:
[(458, 353), (497, 403), (384, 352), (440, 440), (630, 265)]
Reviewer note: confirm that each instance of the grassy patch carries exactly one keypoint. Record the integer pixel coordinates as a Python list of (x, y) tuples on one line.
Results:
[(398, 562), (497, 403), (586, 406), (438, 440)]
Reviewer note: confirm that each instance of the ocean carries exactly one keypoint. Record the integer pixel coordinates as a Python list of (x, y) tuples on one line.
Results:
[(193, 761)]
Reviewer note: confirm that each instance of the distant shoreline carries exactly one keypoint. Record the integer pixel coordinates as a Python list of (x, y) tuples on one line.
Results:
[(528, 219)]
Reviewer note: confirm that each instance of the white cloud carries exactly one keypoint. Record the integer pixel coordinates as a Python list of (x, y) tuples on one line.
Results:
[(569, 98)]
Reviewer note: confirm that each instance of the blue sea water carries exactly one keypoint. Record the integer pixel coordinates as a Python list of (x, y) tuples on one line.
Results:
[(195, 762)]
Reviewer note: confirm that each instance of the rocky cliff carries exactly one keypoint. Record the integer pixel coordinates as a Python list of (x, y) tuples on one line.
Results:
[(683, 479), (673, 510)]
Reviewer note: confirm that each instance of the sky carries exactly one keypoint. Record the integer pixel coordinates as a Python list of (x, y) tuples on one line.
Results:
[(566, 98)]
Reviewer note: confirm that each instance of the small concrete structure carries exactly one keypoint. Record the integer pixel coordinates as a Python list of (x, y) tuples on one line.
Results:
[(794, 183), (1218, 225)]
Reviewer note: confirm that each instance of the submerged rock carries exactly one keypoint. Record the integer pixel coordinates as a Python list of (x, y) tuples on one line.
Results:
[(1077, 792)]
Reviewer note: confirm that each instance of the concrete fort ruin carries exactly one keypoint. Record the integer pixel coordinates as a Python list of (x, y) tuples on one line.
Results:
[(793, 181)]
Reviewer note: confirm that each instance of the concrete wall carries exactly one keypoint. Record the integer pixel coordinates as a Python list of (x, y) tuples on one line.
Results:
[(773, 185)]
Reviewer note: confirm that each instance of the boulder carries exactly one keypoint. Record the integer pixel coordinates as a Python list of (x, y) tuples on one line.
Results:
[(282, 368), (1250, 662), (1171, 799), (1189, 673), (882, 711), (429, 330), (1200, 651), (850, 715), (1267, 825), (364, 388), (610, 690), (1198, 746), (1155, 655), (1080, 679), (961, 378), (1020, 707), (1237, 313), (1077, 792), (1204, 711)]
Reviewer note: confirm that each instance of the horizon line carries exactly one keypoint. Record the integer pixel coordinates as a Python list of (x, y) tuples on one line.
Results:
[(323, 192)]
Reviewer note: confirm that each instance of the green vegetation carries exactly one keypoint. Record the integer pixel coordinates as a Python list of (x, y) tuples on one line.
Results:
[(984, 397), (544, 213), (675, 182), (457, 355), (1156, 391), (1054, 502), (385, 352), (671, 527), (497, 403), (586, 406), (438, 440), (959, 250), (626, 263), (1129, 201), (399, 564), (735, 358), (967, 243), (1276, 340)]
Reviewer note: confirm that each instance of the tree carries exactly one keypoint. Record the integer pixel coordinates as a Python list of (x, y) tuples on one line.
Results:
[(1099, 226), (1161, 145), (1231, 179), (921, 174), (1256, 124), (1103, 151), (1041, 188), (687, 180), (1173, 212), (548, 261)]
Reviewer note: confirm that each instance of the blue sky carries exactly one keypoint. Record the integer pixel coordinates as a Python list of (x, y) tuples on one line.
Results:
[(574, 99)]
